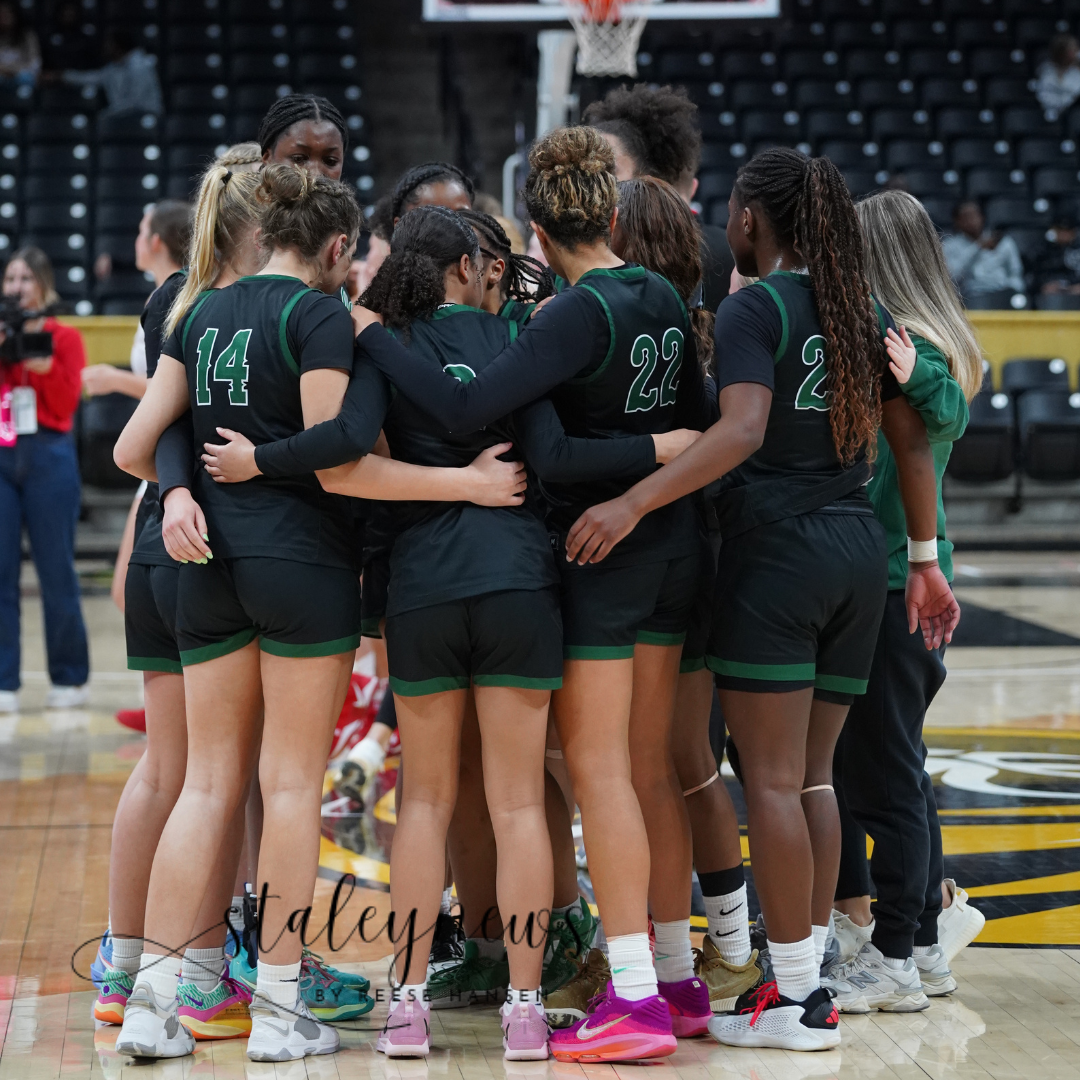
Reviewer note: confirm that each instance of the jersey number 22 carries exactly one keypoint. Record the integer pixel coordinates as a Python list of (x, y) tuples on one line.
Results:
[(231, 366), (644, 355)]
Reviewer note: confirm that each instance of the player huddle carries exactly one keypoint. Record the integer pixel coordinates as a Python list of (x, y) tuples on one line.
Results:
[(580, 511)]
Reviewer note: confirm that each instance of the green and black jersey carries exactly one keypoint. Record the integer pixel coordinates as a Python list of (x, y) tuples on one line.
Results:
[(616, 356), (245, 348), (517, 311), (770, 333), (449, 551)]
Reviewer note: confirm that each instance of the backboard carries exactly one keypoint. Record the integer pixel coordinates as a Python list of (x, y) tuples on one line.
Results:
[(553, 12)]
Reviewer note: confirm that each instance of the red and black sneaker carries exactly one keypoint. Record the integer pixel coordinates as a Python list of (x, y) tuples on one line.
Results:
[(762, 1017)]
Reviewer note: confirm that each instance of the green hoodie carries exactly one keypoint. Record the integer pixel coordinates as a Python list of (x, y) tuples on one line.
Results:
[(937, 396)]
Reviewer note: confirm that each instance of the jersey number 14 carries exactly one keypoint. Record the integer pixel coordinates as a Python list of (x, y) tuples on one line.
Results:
[(644, 355), (231, 366)]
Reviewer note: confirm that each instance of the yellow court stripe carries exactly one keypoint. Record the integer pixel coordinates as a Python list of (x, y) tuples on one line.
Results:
[(1069, 882), (1068, 810), (1056, 926), (336, 858), (1021, 836)]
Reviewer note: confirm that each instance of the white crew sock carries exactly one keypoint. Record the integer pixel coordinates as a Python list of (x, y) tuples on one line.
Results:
[(369, 754), (632, 971), (729, 925), (522, 997), (577, 906), (236, 915), (446, 905), (919, 950), (279, 982), (127, 953), (414, 992), (203, 967), (795, 968), (161, 974), (893, 962), (821, 935), (674, 959), (489, 948)]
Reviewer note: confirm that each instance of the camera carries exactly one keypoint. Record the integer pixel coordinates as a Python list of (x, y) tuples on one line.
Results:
[(20, 344)]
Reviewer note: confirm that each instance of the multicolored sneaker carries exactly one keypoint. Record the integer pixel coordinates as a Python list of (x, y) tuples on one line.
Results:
[(571, 1003), (525, 1032), (281, 1034), (617, 1030), (357, 982), (726, 982), (688, 1003), (221, 1013), (763, 1018), (114, 989), (570, 937), (475, 980), (102, 960), (407, 1031), (242, 972), (327, 996)]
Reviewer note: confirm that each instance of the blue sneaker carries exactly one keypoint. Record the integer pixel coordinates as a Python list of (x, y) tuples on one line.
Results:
[(357, 982), (102, 965), (322, 991)]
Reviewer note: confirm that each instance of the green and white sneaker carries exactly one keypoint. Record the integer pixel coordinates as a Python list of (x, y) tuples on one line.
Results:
[(570, 936), (475, 980)]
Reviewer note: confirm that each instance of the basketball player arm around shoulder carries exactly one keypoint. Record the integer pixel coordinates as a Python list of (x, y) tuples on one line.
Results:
[(165, 401)]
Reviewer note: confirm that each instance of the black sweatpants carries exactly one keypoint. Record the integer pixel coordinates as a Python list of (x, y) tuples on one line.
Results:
[(882, 788)]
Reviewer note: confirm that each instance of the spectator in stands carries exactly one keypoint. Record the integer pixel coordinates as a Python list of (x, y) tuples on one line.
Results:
[(129, 79), (1057, 268), (979, 261), (1058, 84), (653, 131), (20, 55), (39, 488)]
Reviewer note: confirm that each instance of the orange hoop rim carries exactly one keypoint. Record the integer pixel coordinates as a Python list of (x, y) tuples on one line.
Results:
[(597, 11)]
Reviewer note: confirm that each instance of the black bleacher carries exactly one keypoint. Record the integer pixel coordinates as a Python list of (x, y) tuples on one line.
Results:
[(939, 93), (76, 183)]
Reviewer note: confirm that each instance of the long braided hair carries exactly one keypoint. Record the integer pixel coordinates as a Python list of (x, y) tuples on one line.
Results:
[(294, 108), (431, 172), (526, 279), (808, 205), (411, 283)]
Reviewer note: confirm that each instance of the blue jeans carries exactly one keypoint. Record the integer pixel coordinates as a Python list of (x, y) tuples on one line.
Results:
[(39, 488)]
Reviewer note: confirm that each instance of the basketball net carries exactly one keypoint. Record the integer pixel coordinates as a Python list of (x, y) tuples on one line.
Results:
[(607, 42)]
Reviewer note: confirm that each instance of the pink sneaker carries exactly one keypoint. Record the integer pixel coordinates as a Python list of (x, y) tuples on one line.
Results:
[(406, 1032), (525, 1033), (617, 1030), (688, 1001)]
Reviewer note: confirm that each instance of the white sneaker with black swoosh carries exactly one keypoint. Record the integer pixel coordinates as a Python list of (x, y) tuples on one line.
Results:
[(281, 1034), (151, 1030)]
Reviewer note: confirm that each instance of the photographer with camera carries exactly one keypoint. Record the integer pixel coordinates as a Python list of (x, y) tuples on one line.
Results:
[(41, 362)]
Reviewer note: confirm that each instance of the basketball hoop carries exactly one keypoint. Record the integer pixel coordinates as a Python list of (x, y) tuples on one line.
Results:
[(607, 41)]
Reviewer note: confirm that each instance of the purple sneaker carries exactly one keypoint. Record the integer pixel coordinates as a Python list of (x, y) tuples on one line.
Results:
[(617, 1030), (406, 1032), (525, 1032), (688, 1001)]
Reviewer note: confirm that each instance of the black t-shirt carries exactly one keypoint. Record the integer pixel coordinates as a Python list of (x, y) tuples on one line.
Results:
[(616, 353), (245, 348), (149, 549), (717, 263), (769, 333)]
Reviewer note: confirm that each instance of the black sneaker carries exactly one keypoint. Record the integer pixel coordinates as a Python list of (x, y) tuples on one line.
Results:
[(763, 1018), (448, 942), (351, 783)]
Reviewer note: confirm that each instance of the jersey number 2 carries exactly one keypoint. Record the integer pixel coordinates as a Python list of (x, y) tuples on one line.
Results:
[(812, 394), (644, 355), (231, 366)]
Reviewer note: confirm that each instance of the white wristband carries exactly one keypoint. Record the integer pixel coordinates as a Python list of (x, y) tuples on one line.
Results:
[(922, 550)]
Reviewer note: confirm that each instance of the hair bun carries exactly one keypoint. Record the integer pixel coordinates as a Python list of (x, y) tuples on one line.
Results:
[(285, 184)]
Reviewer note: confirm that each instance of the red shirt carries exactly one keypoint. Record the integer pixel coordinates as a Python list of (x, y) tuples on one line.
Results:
[(59, 391)]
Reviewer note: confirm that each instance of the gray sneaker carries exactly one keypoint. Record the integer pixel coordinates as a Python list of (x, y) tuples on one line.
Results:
[(281, 1034), (937, 979), (881, 986), (152, 1030)]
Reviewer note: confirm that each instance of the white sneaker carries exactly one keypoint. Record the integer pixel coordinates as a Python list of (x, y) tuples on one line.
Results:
[(883, 987), (9, 701), (959, 924), (151, 1030), (766, 1019), (850, 937), (281, 1034), (937, 979), (67, 697)]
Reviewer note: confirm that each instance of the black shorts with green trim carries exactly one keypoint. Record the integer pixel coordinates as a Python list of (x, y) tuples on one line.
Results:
[(798, 603), (511, 638), (697, 632), (607, 610), (373, 589), (294, 609), (150, 618)]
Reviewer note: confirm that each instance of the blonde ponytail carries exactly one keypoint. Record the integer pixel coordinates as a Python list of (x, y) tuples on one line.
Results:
[(224, 215)]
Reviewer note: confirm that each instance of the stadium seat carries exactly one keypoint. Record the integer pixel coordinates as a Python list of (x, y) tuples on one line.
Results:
[(245, 125), (189, 158), (58, 159), (1034, 31), (118, 216), (60, 247), (56, 216), (1022, 121), (1004, 90), (992, 180), (1053, 181), (195, 67), (903, 154), (1057, 302), (819, 93), (72, 187), (935, 182), (206, 36), (131, 186), (259, 37), (1005, 211), (715, 185), (918, 33), (331, 11), (1032, 153), (872, 64), (968, 153), (320, 67), (818, 64), (129, 127), (886, 124), (328, 38), (996, 60), (67, 99), (58, 128), (986, 450), (885, 93), (258, 66), (861, 182), (851, 155), (970, 33), (129, 158), (762, 126), (258, 10), (345, 95), (940, 210), (192, 128), (754, 94), (849, 34), (1001, 300), (194, 11), (922, 63), (1022, 374), (719, 126), (1048, 422), (198, 97), (965, 123), (1031, 240), (940, 91), (747, 65), (830, 124)]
